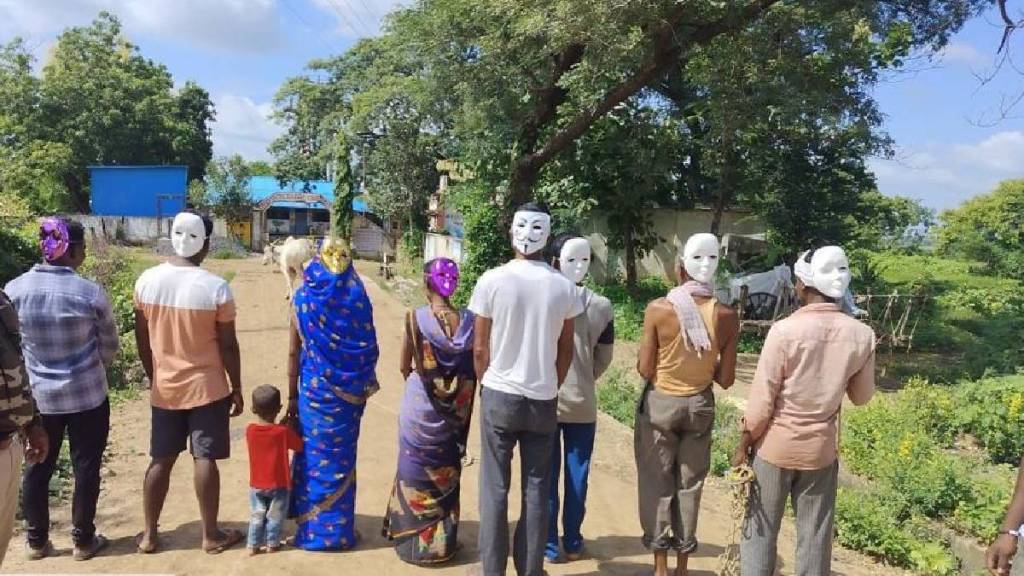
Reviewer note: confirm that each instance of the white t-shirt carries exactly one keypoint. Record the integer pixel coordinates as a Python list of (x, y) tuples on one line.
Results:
[(528, 302)]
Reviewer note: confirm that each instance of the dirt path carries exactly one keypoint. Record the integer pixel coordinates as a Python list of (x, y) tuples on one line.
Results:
[(611, 527)]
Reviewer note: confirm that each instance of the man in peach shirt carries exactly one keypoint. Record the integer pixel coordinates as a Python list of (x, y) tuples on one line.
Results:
[(185, 330), (809, 362)]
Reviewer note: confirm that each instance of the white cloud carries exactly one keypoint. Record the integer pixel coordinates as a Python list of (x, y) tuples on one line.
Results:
[(231, 25), (1002, 152), (958, 52), (243, 127), (943, 176), (358, 18)]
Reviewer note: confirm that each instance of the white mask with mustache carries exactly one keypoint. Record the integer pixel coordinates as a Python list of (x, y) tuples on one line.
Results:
[(530, 232)]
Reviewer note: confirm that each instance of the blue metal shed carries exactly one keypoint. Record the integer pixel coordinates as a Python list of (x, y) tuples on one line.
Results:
[(151, 191)]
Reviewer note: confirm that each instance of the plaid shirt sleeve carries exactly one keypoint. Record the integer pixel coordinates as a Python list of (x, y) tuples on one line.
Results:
[(106, 328)]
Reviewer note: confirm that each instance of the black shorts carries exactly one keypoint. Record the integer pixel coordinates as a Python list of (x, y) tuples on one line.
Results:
[(206, 427)]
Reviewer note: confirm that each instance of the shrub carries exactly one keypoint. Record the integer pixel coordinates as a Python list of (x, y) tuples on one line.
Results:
[(114, 268), (992, 411), (725, 437), (226, 254), (617, 395), (18, 251), (629, 306)]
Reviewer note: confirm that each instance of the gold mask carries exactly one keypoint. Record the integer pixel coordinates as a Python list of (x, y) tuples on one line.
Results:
[(336, 255)]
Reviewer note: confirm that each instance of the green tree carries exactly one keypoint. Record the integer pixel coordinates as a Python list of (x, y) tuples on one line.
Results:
[(988, 228), (98, 101), (261, 168), (227, 184)]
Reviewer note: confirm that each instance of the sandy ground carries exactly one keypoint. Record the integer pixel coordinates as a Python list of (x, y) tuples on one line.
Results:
[(611, 528)]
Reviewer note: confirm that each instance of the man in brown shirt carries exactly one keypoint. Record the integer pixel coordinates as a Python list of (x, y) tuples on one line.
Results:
[(689, 342), (809, 362)]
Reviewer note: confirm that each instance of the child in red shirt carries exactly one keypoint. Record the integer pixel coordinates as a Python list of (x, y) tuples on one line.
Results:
[(269, 477)]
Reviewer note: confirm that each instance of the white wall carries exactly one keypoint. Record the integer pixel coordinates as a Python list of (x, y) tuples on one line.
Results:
[(134, 229), (674, 227)]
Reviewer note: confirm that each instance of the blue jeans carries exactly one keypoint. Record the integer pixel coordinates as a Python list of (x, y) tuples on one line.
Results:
[(578, 440), (269, 509)]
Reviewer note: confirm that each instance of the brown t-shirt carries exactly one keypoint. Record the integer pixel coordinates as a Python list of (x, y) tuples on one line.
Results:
[(182, 306)]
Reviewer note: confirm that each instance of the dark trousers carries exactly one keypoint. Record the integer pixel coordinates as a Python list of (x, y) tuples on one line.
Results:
[(87, 436), (507, 420)]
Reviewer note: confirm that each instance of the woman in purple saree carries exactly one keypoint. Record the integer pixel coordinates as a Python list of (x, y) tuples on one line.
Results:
[(437, 361)]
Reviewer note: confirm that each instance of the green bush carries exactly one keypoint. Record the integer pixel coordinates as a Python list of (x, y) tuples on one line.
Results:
[(226, 254), (629, 306), (865, 522), (115, 269), (18, 251), (992, 411), (725, 437)]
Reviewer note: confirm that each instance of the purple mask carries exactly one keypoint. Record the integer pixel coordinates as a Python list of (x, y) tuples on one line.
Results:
[(53, 238), (443, 276)]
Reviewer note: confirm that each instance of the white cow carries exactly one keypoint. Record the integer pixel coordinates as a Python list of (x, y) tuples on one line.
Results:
[(295, 254)]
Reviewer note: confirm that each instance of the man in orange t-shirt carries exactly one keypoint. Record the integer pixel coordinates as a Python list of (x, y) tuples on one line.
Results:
[(185, 330)]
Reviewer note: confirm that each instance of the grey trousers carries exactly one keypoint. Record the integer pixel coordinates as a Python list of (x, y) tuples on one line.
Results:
[(814, 501), (672, 444), (506, 420)]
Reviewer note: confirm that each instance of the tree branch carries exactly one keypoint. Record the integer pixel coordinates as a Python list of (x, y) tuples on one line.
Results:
[(667, 51), (1010, 25)]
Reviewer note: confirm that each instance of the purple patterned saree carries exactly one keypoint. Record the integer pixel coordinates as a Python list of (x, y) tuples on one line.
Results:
[(423, 515)]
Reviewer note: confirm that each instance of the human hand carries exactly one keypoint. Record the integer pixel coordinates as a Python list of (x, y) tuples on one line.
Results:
[(237, 403), (291, 415), (38, 445), (1000, 555), (741, 456)]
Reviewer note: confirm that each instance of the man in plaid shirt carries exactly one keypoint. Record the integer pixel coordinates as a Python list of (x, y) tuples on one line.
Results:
[(69, 339)]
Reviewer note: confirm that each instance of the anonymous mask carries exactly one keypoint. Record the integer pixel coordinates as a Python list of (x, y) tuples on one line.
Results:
[(700, 257), (830, 271), (574, 259), (443, 277), (335, 255), (188, 234), (530, 232)]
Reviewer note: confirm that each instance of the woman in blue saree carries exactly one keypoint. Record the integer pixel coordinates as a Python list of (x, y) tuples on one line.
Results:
[(332, 373), (437, 361)]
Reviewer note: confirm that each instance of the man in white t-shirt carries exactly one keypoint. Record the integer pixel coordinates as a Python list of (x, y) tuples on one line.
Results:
[(522, 351)]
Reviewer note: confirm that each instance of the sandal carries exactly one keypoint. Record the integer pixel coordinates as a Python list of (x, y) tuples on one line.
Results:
[(99, 542), (232, 539)]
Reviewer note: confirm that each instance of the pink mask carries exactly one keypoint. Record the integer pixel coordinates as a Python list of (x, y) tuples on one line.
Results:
[(443, 276)]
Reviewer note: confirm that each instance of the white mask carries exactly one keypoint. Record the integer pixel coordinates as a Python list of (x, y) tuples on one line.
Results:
[(188, 234), (700, 257), (530, 231), (830, 271), (574, 260)]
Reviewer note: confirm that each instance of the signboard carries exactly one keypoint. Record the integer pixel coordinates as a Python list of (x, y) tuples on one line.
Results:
[(292, 197), (279, 226)]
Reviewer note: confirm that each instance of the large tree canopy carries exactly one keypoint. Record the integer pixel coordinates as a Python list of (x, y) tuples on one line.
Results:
[(98, 101), (766, 103)]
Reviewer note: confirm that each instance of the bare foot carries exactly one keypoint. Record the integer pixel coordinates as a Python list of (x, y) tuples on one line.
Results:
[(146, 543), (682, 562), (254, 551)]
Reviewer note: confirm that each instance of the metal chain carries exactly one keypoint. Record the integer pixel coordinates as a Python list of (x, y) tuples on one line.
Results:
[(740, 479)]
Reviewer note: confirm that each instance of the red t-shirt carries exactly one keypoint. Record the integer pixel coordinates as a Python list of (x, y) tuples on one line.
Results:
[(268, 455)]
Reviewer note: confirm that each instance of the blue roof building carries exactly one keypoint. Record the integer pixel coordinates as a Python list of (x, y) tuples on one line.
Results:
[(147, 191), (263, 187)]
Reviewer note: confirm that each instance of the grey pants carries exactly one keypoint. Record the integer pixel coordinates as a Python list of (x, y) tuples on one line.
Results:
[(508, 419), (672, 442), (813, 494)]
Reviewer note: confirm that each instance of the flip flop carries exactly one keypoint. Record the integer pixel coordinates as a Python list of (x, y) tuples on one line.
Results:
[(99, 543), (233, 538), (154, 547)]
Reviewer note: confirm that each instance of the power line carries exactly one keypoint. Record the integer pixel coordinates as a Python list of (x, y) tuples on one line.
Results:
[(366, 30), (330, 47)]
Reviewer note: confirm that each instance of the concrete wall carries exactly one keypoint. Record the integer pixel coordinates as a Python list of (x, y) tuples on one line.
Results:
[(674, 227), (134, 229)]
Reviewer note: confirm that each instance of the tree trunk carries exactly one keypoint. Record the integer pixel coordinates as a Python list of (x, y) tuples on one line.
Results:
[(79, 199), (720, 202), (630, 247)]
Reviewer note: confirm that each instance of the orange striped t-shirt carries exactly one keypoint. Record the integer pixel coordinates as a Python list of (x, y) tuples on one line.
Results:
[(182, 306)]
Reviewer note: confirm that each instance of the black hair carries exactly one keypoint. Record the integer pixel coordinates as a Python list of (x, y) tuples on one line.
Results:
[(534, 207), (809, 255), (76, 232), (266, 399), (555, 248), (207, 222)]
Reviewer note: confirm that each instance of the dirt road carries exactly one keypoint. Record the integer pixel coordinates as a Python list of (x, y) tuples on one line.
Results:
[(611, 527)]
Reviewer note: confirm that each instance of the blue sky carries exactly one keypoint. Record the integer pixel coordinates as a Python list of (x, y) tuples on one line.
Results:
[(939, 113)]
